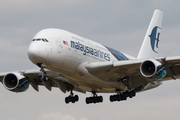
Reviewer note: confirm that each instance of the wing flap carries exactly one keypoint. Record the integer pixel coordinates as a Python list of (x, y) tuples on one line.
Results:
[(172, 65), (34, 84)]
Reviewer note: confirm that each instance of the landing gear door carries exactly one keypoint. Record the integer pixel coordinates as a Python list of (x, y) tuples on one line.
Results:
[(59, 46)]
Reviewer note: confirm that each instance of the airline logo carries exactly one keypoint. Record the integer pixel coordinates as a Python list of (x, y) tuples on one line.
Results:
[(88, 50), (154, 36)]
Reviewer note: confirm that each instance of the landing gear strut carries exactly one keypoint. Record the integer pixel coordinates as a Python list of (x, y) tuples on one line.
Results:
[(94, 99), (71, 98), (43, 77)]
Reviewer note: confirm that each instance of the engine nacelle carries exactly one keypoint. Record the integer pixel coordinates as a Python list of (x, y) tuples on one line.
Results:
[(15, 82), (153, 70)]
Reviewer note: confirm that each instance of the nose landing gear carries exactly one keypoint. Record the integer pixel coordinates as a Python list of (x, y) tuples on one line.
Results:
[(44, 77)]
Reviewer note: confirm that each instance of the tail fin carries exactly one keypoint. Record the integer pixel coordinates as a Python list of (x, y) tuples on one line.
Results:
[(150, 45)]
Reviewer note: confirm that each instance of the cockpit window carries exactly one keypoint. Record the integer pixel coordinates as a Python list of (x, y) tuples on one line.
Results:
[(38, 39), (46, 40), (41, 39)]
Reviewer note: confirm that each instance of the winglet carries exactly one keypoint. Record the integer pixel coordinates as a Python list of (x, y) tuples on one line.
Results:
[(150, 46)]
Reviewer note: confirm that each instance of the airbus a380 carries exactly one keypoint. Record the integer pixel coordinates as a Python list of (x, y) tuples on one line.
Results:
[(74, 63)]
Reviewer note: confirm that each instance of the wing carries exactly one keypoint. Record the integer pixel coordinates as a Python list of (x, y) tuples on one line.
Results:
[(34, 79), (129, 71), (172, 65)]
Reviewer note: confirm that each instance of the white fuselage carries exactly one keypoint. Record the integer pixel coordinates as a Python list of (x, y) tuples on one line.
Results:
[(65, 52)]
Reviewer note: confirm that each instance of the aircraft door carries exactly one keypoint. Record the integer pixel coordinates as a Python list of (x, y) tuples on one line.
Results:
[(59, 46), (48, 49)]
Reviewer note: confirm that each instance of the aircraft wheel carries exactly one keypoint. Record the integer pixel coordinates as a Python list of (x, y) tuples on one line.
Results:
[(118, 98), (133, 93), (94, 100), (73, 100), (76, 98), (130, 95), (87, 100), (45, 79), (111, 98), (100, 99), (67, 100), (124, 97)]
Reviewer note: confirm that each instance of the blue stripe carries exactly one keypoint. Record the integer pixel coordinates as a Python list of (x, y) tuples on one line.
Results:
[(23, 88), (120, 54), (161, 75)]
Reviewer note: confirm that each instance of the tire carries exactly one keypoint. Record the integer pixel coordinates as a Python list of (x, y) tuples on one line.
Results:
[(45, 78), (94, 99), (101, 99), (118, 98), (67, 100), (87, 100), (111, 98), (124, 97), (130, 95), (76, 98), (133, 93), (73, 99)]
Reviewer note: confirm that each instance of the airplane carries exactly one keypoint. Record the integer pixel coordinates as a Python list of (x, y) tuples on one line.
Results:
[(74, 63)]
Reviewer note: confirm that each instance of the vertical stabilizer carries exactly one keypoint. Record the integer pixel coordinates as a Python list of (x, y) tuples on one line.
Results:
[(150, 45)]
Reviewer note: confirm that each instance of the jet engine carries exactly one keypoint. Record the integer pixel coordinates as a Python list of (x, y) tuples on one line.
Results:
[(15, 82), (152, 70)]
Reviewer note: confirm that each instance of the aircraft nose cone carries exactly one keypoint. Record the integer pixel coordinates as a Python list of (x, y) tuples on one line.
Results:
[(33, 53)]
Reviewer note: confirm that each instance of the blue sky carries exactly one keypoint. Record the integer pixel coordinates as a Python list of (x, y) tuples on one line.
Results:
[(117, 24)]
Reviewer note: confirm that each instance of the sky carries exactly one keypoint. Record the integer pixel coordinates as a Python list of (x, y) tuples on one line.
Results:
[(120, 24)]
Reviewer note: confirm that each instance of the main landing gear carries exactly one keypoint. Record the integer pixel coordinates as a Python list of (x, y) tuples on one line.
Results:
[(71, 98), (97, 99), (94, 99), (122, 96)]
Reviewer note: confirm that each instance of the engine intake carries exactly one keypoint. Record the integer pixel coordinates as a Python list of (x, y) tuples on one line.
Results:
[(153, 70), (15, 82)]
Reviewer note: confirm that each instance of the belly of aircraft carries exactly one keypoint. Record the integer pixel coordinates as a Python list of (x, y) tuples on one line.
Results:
[(87, 82)]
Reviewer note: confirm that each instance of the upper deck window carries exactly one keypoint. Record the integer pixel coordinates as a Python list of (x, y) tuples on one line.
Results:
[(41, 39)]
